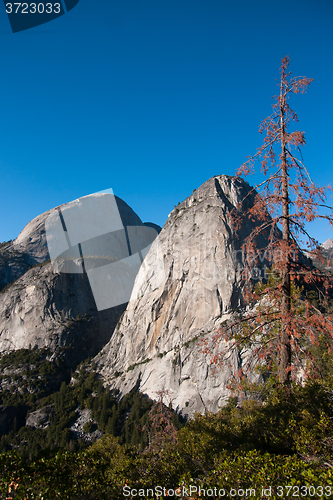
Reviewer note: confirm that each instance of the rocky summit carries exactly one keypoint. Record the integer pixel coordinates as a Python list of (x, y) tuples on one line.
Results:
[(188, 284), (41, 307)]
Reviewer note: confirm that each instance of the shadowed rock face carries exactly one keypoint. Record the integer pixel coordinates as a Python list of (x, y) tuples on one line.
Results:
[(158, 338), (29, 249), (44, 309)]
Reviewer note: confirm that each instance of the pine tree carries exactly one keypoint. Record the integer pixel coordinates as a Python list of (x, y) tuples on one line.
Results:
[(287, 199), (160, 427)]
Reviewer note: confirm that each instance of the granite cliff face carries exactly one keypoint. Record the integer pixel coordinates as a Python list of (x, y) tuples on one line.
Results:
[(43, 308), (184, 290), (29, 249), (188, 284)]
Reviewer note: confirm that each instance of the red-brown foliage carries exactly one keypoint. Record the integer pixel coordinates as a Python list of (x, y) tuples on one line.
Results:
[(283, 322)]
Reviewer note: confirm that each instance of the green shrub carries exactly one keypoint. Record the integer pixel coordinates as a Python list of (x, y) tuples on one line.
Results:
[(88, 427)]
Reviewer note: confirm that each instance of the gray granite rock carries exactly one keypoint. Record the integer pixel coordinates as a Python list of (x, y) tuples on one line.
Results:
[(40, 419), (77, 428), (46, 309), (188, 284), (43, 307), (30, 247), (12, 265), (183, 291)]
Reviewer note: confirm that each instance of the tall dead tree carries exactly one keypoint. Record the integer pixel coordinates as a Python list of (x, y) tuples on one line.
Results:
[(285, 201)]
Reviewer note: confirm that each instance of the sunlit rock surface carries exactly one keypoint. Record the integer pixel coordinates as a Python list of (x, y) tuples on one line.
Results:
[(181, 295)]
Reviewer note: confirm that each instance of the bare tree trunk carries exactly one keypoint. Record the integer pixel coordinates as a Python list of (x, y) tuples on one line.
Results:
[(284, 371)]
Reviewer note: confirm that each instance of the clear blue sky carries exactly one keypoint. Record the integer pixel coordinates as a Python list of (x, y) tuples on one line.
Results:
[(153, 97)]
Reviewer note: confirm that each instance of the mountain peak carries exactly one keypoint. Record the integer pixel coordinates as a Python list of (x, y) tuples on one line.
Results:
[(328, 244), (156, 343)]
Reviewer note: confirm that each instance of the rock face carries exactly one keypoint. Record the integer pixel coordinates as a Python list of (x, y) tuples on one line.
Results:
[(328, 244), (12, 265), (43, 308), (29, 249), (31, 242), (40, 419), (77, 428), (188, 284), (183, 291)]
